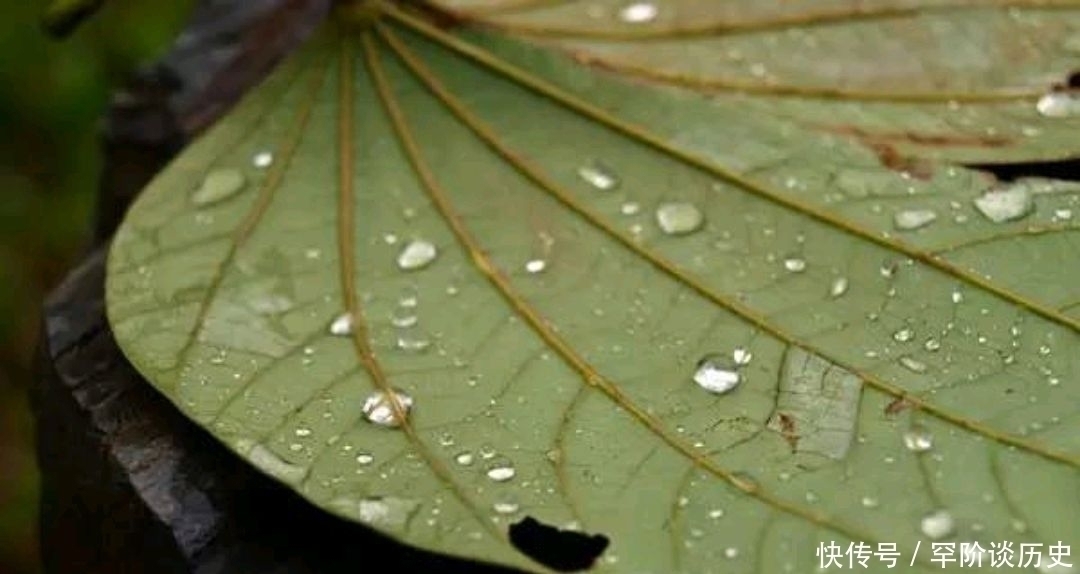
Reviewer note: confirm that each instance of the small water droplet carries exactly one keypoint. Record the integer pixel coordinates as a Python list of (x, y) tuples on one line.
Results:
[(869, 502), (599, 176), (716, 513), (342, 326), (957, 297), (839, 287), (1063, 214), (795, 264), (731, 552), (937, 524), (630, 208), (716, 374), (404, 320), (903, 335), (365, 458), (535, 266), (679, 218), (1005, 203), (464, 458), (505, 507), (263, 160), (218, 185), (638, 12), (501, 473), (911, 219), (379, 408), (742, 356), (918, 439), (302, 432), (417, 255), (913, 365), (932, 345), (413, 344), (1059, 104)]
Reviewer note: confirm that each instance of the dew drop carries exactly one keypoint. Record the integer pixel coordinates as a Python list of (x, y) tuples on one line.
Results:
[(379, 408), (1059, 104), (303, 432), (599, 176), (903, 335), (630, 208), (1005, 204), (957, 297), (716, 513), (218, 185), (404, 320), (505, 507), (417, 255), (679, 218), (911, 219), (937, 524), (716, 374), (413, 344), (795, 264), (638, 12), (464, 458), (918, 439), (913, 365), (365, 458), (342, 326), (1063, 214), (838, 287), (869, 502), (742, 356), (932, 345), (501, 473), (263, 160), (535, 266), (731, 552)]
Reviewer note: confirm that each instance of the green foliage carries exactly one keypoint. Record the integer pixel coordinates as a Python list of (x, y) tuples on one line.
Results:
[(437, 282)]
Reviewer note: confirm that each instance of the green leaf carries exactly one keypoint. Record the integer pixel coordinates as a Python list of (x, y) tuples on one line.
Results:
[(440, 281)]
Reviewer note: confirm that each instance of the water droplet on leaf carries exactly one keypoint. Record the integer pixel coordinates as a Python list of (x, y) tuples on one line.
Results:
[(417, 254), (937, 524), (1060, 104), (1005, 204), (716, 374), (795, 264), (379, 408), (638, 12), (838, 287), (599, 176), (501, 473), (918, 439), (912, 219), (219, 185), (342, 326), (679, 218), (535, 266)]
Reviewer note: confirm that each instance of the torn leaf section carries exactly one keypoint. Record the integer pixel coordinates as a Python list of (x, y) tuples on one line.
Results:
[(816, 408)]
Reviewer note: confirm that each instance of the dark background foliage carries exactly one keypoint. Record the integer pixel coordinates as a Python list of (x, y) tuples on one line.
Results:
[(52, 96)]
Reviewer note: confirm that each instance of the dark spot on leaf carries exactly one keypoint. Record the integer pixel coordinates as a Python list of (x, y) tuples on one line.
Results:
[(897, 405), (891, 158), (1073, 81), (561, 550), (1066, 169), (787, 430)]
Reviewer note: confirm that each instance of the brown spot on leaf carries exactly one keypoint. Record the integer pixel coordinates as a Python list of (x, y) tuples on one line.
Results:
[(787, 429), (897, 405)]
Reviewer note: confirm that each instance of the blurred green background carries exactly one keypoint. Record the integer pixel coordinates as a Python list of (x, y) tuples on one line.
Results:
[(52, 96)]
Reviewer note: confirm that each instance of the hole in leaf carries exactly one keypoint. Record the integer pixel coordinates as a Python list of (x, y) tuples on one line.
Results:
[(561, 550), (1073, 81), (1065, 169)]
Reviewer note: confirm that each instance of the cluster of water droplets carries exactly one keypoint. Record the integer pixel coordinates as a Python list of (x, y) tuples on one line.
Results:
[(720, 373)]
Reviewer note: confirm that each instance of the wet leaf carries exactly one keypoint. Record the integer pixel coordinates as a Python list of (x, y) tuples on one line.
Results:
[(712, 283)]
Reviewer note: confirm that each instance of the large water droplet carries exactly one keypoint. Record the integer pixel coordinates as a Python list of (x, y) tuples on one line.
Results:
[(903, 335), (679, 218), (912, 364), (263, 160), (535, 266), (417, 254), (599, 176), (839, 287), (638, 12), (1059, 104), (716, 374), (1006, 203), (937, 524), (501, 473), (795, 264), (342, 326), (379, 408), (911, 219), (219, 185), (918, 439)]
